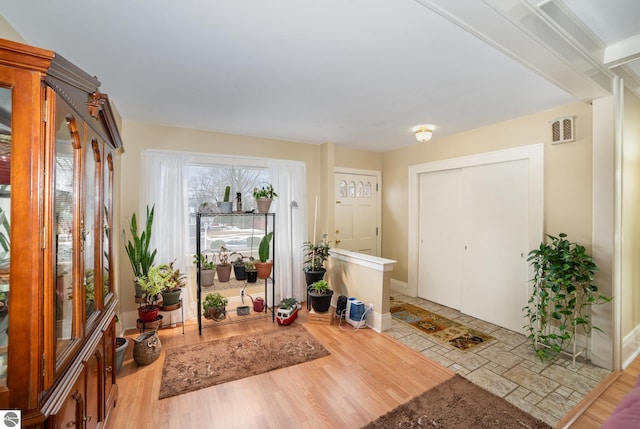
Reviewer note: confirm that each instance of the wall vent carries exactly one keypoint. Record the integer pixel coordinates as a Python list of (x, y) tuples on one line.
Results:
[(562, 130)]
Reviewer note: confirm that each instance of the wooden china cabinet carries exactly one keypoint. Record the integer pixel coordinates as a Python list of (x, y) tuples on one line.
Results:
[(58, 139)]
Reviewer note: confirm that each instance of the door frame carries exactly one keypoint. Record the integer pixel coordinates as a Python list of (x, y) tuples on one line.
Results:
[(533, 153), (378, 199)]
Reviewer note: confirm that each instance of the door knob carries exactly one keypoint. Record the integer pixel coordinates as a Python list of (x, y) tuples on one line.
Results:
[(338, 241)]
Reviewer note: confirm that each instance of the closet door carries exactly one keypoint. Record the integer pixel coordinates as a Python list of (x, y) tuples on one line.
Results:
[(440, 241), (495, 242)]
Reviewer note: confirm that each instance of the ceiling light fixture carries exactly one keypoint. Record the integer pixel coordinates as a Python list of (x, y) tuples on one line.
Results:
[(423, 132)]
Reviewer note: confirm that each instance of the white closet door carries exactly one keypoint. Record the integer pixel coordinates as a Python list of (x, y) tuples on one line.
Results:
[(440, 237), (495, 235)]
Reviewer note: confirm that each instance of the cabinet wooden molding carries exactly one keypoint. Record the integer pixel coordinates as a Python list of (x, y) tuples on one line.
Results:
[(58, 141)]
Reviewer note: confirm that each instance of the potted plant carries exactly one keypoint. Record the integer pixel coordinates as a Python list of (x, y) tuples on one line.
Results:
[(287, 311), (251, 270), (151, 284), (214, 306), (140, 255), (207, 269), (320, 295), (264, 266), (263, 196), (173, 288), (226, 205), (562, 296), (223, 267), (315, 255), (238, 267)]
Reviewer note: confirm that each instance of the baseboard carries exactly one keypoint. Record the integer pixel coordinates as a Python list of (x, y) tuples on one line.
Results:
[(398, 286), (630, 346)]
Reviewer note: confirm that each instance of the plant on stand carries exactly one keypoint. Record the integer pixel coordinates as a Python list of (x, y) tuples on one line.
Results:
[(320, 295), (223, 268), (265, 265), (207, 269), (152, 285), (315, 256), (226, 206), (238, 267), (140, 255), (214, 306), (173, 288), (264, 196), (251, 270), (562, 296)]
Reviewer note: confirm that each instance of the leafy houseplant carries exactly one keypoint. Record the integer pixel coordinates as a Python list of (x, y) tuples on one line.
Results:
[(151, 285), (265, 265), (140, 256), (223, 268), (207, 269), (287, 311), (562, 296), (173, 288), (315, 256), (214, 306), (320, 295), (263, 196), (250, 270)]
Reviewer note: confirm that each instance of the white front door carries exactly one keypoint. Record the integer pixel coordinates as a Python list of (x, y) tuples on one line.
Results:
[(356, 213)]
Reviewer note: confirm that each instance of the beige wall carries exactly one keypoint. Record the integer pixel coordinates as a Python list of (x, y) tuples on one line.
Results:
[(567, 175), (139, 136), (630, 299)]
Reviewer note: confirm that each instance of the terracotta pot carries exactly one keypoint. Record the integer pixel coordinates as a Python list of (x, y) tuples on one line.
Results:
[(224, 273), (264, 204), (264, 269)]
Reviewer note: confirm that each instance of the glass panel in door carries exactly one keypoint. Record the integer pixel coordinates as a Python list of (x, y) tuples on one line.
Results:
[(5, 216), (89, 230)]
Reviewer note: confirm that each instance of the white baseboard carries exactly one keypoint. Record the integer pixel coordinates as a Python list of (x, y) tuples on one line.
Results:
[(630, 346), (398, 286)]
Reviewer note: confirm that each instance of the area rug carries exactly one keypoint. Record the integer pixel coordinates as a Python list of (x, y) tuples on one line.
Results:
[(201, 365), (437, 327), (457, 404)]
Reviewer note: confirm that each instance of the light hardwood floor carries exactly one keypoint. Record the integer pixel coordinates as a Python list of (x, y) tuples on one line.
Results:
[(600, 403), (366, 375)]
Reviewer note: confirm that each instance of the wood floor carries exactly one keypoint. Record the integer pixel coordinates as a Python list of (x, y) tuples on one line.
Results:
[(600, 403), (366, 375)]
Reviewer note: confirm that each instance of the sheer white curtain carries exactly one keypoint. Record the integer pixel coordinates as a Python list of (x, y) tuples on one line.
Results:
[(289, 179), (164, 185)]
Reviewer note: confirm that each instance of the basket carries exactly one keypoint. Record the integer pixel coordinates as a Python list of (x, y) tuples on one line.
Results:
[(146, 348)]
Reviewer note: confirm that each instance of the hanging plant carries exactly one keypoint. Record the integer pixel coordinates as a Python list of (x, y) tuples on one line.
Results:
[(562, 296)]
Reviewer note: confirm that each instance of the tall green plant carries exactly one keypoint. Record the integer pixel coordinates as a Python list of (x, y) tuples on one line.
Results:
[(263, 248), (562, 295), (140, 256)]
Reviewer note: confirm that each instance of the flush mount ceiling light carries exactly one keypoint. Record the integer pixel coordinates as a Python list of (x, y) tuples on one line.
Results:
[(423, 132)]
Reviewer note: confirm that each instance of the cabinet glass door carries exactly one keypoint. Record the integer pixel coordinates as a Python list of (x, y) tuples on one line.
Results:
[(5, 216), (66, 164), (107, 169)]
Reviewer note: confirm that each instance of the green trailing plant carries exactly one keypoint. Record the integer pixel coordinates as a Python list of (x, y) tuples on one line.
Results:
[(562, 296), (263, 248), (140, 256), (227, 193), (316, 254)]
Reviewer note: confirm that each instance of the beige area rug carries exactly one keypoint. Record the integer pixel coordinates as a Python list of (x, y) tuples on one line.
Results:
[(201, 365), (437, 327), (457, 404)]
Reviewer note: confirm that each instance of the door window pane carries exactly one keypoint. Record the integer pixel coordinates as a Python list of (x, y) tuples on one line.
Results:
[(5, 217)]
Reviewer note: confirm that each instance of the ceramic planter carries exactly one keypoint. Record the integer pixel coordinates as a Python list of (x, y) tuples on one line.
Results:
[(264, 269), (206, 277), (264, 204), (148, 313), (171, 298), (224, 273), (320, 302)]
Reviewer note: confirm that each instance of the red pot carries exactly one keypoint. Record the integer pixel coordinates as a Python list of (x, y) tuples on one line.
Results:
[(148, 313)]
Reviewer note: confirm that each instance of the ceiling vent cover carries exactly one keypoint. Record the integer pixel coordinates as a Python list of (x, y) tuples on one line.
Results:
[(562, 130)]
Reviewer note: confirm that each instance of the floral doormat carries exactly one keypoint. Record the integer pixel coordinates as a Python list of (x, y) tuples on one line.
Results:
[(439, 328)]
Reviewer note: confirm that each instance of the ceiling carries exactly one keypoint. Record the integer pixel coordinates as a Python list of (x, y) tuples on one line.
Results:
[(360, 73)]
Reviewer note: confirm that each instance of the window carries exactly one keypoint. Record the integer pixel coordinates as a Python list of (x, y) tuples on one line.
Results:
[(206, 184)]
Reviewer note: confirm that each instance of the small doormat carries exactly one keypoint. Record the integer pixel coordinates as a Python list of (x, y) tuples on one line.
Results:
[(439, 328), (457, 404), (201, 365)]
